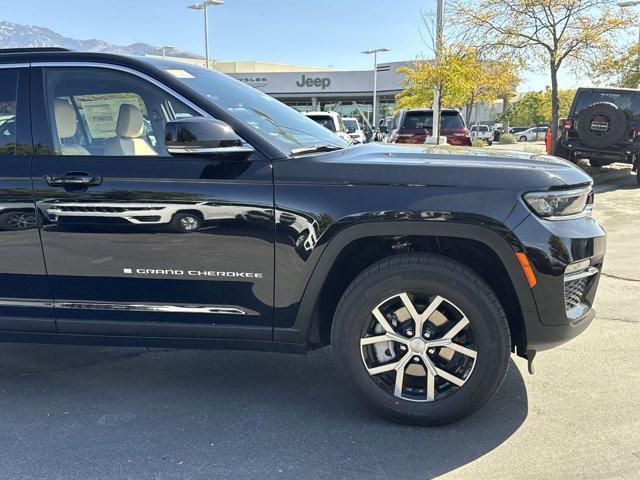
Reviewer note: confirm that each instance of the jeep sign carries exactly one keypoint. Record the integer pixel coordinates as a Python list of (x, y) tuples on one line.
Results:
[(320, 82)]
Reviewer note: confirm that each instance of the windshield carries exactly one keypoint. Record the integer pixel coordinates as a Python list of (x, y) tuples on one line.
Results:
[(351, 125), (284, 126), (627, 101), (424, 119), (325, 120)]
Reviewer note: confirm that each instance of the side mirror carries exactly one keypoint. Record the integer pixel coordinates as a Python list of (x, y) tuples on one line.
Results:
[(202, 136)]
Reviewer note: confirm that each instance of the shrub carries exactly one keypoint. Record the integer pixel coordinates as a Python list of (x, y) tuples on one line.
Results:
[(478, 143), (508, 138)]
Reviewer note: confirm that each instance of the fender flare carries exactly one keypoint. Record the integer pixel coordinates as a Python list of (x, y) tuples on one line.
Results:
[(305, 323)]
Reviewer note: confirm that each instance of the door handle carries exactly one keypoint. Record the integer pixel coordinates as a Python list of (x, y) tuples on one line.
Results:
[(79, 179)]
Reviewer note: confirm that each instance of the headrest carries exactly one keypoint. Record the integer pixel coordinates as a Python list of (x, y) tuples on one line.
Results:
[(65, 118), (130, 123)]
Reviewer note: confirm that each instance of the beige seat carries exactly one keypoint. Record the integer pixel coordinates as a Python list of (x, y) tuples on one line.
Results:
[(129, 130), (66, 125)]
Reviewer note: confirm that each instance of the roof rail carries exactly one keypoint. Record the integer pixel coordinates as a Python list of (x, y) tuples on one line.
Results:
[(33, 50)]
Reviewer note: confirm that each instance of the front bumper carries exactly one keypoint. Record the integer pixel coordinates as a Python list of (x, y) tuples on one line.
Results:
[(564, 301)]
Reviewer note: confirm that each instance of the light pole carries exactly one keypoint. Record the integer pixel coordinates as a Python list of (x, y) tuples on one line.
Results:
[(164, 50), (628, 4), (375, 81), (203, 6), (631, 3), (435, 130)]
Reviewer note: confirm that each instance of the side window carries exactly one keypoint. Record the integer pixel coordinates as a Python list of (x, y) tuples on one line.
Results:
[(103, 112), (8, 110)]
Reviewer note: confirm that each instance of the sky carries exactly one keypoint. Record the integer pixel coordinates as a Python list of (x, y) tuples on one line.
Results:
[(303, 32)]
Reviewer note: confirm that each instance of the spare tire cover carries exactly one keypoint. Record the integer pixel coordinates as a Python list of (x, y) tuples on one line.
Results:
[(602, 124)]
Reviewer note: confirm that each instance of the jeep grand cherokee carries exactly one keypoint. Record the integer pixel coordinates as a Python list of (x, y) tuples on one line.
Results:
[(170, 205)]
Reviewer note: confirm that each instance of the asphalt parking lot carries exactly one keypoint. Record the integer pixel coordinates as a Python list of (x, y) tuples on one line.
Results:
[(105, 413)]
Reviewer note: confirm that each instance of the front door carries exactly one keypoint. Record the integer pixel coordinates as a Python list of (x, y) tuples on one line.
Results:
[(138, 242)]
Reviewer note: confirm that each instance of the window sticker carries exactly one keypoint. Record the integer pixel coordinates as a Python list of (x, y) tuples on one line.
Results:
[(102, 115)]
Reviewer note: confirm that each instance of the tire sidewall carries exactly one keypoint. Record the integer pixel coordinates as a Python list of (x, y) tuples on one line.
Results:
[(488, 325)]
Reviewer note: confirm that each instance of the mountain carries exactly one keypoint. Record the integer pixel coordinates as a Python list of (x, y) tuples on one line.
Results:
[(14, 35)]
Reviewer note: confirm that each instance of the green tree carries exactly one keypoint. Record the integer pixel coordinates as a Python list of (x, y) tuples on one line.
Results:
[(535, 107), (621, 70), (546, 33)]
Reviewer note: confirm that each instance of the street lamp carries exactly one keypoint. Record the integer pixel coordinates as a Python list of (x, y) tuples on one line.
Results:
[(203, 6), (164, 50), (375, 81)]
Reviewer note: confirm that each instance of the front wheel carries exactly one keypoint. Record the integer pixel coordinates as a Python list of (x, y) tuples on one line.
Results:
[(186, 222), (421, 339), (523, 138)]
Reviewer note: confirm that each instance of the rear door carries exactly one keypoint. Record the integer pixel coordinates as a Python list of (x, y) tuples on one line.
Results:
[(25, 296), (147, 244)]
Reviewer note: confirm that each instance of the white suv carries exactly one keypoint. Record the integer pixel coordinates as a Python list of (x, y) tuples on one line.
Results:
[(332, 121), (354, 130)]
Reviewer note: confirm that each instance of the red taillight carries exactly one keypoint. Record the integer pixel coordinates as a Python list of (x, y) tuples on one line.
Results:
[(638, 131), (567, 124)]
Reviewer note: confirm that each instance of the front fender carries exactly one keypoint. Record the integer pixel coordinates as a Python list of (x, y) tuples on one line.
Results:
[(502, 244)]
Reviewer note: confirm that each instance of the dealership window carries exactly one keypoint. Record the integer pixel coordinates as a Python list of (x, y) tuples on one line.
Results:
[(8, 111)]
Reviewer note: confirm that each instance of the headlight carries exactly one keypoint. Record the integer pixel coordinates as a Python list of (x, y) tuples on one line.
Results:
[(561, 204)]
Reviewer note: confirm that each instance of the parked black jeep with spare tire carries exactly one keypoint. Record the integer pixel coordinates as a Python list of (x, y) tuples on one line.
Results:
[(603, 126)]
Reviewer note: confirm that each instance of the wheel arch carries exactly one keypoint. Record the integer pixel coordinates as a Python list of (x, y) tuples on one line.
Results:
[(310, 320)]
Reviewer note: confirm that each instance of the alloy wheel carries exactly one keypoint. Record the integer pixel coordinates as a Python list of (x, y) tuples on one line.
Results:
[(189, 224), (419, 347)]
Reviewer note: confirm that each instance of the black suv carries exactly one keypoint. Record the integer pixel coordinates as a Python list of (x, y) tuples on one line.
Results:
[(164, 204), (603, 125)]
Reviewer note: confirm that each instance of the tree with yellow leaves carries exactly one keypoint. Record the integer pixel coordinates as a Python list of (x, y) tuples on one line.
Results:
[(550, 34), (464, 79)]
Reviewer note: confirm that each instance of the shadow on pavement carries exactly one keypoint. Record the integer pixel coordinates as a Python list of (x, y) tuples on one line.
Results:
[(88, 412)]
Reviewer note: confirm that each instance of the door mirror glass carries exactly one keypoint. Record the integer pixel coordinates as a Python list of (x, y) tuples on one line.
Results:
[(202, 136)]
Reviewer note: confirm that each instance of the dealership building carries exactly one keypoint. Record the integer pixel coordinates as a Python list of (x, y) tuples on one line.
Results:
[(349, 93)]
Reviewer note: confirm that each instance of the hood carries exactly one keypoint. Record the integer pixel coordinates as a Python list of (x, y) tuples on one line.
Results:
[(381, 164)]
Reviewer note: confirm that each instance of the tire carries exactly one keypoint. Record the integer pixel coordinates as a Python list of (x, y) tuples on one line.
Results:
[(378, 287), (523, 138), (638, 176), (186, 222), (559, 150), (489, 142), (604, 113)]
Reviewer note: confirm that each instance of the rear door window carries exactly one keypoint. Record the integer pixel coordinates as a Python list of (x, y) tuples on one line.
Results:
[(8, 110), (627, 101), (422, 120)]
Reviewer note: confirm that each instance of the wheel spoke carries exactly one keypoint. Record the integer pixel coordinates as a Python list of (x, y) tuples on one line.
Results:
[(463, 350), (431, 386), (382, 320), (402, 364), (420, 318), (457, 328), (449, 377), (388, 367), (387, 337)]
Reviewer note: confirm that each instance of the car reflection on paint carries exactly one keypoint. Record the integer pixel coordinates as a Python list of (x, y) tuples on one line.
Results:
[(179, 217), (183, 217)]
